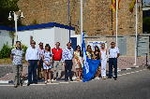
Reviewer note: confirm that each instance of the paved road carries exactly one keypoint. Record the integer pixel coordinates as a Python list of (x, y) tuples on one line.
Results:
[(133, 85)]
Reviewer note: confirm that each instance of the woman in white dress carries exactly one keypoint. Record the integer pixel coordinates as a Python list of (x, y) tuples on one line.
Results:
[(103, 61), (47, 64)]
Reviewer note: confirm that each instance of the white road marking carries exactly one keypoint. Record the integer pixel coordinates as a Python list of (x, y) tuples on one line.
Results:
[(74, 81), (119, 75), (128, 73), (36, 84), (140, 70), (52, 83), (132, 72), (6, 85), (137, 66), (128, 68), (137, 71), (124, 74), (63, 82), (4, 82), (118, 70)]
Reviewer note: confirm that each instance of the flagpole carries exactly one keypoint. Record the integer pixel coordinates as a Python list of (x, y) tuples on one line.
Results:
[(136, 32), (81, 21), (81, 16), (117, 22)]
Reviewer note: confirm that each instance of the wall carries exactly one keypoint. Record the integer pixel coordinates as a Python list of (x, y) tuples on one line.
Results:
[(98, 18), (39, 35), (46, 35), (62, 36), (127, 46), (5, 37)]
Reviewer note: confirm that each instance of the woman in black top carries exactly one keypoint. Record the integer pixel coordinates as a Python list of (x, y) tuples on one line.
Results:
[(97, 53), (97, 56)]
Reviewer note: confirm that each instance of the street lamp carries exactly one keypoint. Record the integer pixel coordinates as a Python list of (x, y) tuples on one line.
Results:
[(15, 16)]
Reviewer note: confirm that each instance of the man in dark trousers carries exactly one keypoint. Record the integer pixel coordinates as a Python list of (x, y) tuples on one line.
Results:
[(67, 60), (32, 57), (113, 55)]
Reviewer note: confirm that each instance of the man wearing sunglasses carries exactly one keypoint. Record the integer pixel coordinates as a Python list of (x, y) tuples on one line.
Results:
[(113, 55), (17, 56), (32, 57)]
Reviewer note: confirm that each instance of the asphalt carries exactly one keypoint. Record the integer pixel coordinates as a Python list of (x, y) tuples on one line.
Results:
[(134, 85)]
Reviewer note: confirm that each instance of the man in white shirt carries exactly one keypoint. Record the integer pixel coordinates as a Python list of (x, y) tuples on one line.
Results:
[(32, 57), (113, 55), (67, 57)]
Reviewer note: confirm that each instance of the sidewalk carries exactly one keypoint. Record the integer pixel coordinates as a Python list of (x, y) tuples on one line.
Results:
[(124, 63)]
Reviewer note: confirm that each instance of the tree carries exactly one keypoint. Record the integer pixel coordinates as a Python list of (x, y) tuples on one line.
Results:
[(5, 7)]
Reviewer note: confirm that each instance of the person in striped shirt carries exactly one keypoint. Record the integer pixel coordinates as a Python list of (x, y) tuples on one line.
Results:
[(67, 57)]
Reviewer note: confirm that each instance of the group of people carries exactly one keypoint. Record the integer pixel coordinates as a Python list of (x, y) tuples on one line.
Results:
[(51, 62)]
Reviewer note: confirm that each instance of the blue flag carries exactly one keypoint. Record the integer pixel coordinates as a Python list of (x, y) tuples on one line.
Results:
[(89, 66)]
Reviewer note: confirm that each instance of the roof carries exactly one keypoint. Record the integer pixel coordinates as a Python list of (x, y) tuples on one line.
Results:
[(38, 26), (45, 25), (6, 28)]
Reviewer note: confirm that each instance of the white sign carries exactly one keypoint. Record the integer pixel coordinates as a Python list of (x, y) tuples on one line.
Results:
[(96, 43)]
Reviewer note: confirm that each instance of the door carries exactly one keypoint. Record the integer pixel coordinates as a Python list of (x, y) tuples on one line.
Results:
[(122, 45), (73, 42)]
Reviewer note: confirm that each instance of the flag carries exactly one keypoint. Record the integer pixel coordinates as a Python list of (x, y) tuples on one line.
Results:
[(89, 66), (113, 5), (131, 5)]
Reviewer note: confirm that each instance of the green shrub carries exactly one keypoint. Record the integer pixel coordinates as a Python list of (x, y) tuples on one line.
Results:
[(5, 51), (24, 48)]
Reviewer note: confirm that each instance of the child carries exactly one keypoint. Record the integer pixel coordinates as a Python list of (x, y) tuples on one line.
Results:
[(47, 63)]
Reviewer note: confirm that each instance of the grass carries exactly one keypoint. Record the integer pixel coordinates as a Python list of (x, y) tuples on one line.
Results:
[(7, 61)]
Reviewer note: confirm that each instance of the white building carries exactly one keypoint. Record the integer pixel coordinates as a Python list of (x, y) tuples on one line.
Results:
[(47, 33)]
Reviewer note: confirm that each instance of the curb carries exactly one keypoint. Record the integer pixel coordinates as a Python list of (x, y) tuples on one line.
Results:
[(4, 82), (119, 70)]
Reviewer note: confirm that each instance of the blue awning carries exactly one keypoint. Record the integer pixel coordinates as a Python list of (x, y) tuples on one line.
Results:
[(6, 28), (38, 26), (45, 25)]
